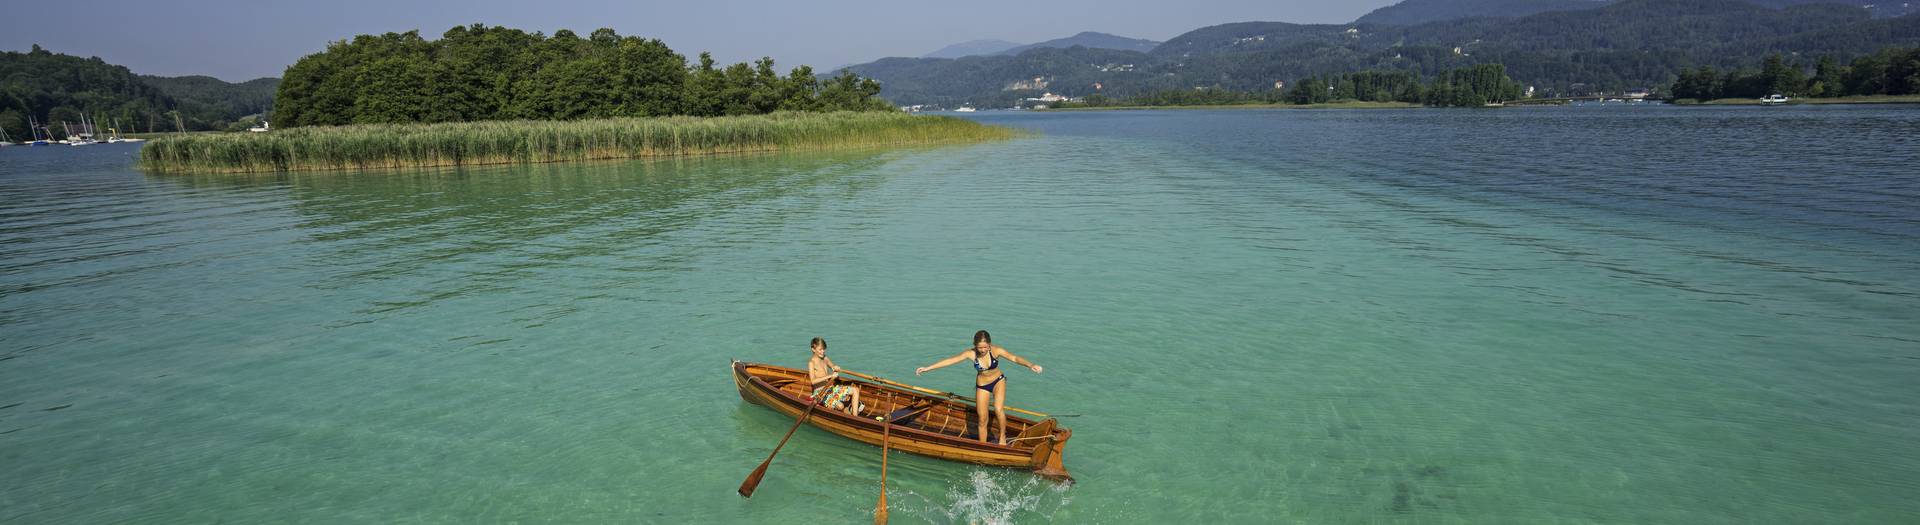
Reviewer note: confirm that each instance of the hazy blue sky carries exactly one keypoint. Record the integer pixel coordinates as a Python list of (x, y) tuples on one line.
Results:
[(244, 39)]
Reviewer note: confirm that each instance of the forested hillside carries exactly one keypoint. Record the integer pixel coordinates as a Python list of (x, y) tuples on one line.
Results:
[(1622, 45), (53, 88), (1415, 12), (1088, 39), (210, 103)]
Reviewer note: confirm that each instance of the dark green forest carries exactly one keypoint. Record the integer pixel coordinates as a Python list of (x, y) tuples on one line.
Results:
[(1618, 46), (207, 103), (1473, 86), (1892, 71), (53, 88), (1414, 12), (477, 72), (58, 89)]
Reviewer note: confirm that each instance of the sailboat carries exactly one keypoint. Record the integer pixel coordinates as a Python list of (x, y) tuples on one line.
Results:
[(4, 139), (88, 135), (83, 138), (113, 134), (33, 126)]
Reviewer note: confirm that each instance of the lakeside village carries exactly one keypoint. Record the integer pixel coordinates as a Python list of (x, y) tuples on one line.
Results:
[(1578, 93)]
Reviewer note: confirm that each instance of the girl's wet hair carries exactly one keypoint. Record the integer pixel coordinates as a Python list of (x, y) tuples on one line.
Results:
[(982, 336), (822, 343)]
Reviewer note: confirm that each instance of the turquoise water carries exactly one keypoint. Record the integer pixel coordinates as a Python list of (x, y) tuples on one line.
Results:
[(1578, 315)]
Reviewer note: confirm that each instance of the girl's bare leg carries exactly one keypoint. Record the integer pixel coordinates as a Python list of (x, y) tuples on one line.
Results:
[(980, 399), (1000, 409)]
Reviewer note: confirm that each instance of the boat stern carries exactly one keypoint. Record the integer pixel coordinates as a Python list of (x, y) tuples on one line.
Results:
[(1048, 456)]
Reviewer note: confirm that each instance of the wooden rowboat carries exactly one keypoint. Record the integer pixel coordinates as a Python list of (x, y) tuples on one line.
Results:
[(939, 427)]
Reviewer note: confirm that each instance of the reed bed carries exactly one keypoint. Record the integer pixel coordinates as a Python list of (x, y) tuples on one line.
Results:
[(514, 142)]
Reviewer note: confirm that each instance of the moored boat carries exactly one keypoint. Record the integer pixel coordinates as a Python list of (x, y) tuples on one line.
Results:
[(937, 426)]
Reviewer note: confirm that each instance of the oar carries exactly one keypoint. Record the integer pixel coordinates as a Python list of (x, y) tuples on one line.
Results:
[(886, 438), (753, 480), (948, 395)]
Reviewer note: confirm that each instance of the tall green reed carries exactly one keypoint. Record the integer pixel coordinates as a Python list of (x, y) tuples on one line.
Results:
[(505, 142)]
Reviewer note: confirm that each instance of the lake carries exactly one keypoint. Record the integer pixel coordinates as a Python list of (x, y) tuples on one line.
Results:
[(1526, 315)]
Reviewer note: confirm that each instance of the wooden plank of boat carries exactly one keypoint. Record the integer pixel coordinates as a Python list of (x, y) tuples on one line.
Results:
[(943, 430)]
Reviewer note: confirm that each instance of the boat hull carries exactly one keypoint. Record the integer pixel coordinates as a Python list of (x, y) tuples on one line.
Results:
[(939, 430)]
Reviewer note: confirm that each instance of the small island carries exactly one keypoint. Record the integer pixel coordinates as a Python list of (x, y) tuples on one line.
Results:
[(492, 95)]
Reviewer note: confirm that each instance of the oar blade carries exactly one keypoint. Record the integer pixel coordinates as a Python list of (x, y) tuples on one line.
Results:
[(753, 480)]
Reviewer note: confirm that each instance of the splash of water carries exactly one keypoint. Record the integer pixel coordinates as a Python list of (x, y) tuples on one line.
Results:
[(997, 497)]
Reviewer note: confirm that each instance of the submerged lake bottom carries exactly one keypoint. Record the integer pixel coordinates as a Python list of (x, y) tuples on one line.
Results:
[(1527, 315)]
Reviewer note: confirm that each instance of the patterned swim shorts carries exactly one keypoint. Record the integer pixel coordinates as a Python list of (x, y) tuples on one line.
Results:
[(833, 396)]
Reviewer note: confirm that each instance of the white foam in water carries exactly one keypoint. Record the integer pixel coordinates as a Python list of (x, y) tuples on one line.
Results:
[(997, 497)]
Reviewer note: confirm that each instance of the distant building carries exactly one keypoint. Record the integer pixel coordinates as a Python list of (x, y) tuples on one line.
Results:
[(1036, 83), (1640, 93), (1279, 85), (1043, 100)]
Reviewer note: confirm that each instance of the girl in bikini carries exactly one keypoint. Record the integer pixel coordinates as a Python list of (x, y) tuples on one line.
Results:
[(989, 382)]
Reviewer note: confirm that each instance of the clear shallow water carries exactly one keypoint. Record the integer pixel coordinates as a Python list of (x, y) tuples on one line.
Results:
[(1672, 315)]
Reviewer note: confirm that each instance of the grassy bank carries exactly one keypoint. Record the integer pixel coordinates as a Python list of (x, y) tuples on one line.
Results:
[(1869, 99), (1329, 105), (510, 142)]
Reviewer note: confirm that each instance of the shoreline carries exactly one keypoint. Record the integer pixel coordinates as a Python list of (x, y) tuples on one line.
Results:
[(1329, 105), (1868, 99)]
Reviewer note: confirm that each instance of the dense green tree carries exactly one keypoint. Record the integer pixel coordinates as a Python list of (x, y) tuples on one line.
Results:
[(800, 91), (484, 73), (1776, 77), (1892, 71), (704, 85), (1827, 79), (651, 78), (849, 92), (1474, 86)]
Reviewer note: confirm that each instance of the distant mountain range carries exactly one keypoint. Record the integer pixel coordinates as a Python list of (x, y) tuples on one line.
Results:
[(972, 48), (1558, 46), (1415, 12), (1001, 47), (1089, 39)]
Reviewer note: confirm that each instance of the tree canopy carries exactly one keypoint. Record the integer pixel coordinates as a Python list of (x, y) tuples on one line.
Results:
[(477, 72), (1892, 71)]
